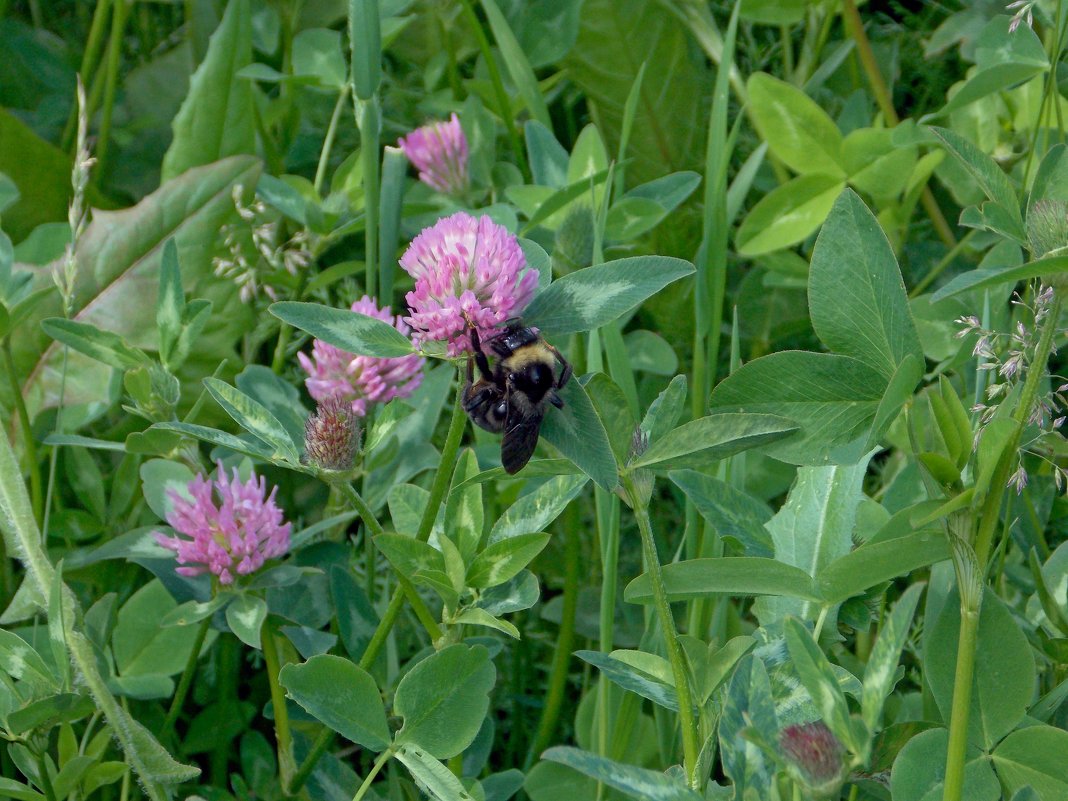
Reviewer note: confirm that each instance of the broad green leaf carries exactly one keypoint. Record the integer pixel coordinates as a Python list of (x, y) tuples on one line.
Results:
[(443, 700), (193, 611), (409, 555), (251, 447), (547, 157), (788, 214), (348, 330), (707, 439), (989, 277), (920, 767), (1035, 756), (730, 575), (796, 129), (317, 53), (141, 646), (537, 510), (283, 400), (730, 511), (994, 182), (9, 788), (440, 782), (881, 670), (664, 412), (1003, 676), (876, 562), (39, 170), (245, 616), (254, 418), (651, 353), (217, 116), (832, 398), (875, 165), (477, 616), (503, 559), (813, 529), (856, 296), (1003, 59), (21, 662), (342, 695), (821, 682), (749, 706), (464, 514), (160, 477), (578, 433), (667, 128), (118, 264), (596, 296), (104, 346), (49, 712), (633, 782), (632, 679)]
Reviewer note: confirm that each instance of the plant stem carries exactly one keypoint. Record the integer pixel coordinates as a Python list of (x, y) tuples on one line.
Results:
[(374, 528), (687, 721), (187, 677), (323, 741), (426, 524), (383, 758), (286, 762), (28, 441), (328, 140), (851, 18), (987, 523), (504, 108), (962, 696)]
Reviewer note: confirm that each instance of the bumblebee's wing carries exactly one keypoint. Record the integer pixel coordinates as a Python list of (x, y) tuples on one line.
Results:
[(520, 437)]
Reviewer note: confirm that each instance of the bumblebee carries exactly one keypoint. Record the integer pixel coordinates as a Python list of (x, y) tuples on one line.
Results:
[(512, 395)]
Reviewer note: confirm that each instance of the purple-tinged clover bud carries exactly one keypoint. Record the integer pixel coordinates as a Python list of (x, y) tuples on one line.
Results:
[(468, 272), (332, 436), (439, 152), (815, 754), (235, 536)]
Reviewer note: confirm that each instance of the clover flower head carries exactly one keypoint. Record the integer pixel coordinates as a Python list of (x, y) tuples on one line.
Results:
[(439, 152), (232, 537), (815, 752), (468, 273), (361, 380)]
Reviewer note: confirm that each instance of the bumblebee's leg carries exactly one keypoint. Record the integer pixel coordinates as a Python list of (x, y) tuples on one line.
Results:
[(480, 357), (566, 372), (556, 400)]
